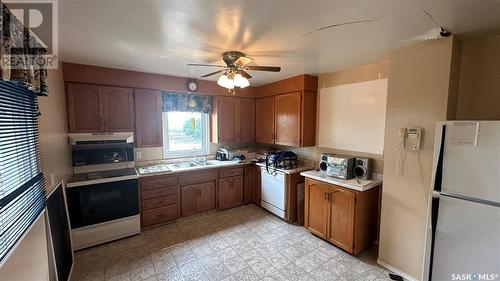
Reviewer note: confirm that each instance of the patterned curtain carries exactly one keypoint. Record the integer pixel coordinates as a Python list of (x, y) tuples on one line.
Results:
[(19, 52), (186, 102)]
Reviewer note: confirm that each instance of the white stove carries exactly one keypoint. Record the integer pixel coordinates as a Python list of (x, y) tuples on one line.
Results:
[(103, 194)]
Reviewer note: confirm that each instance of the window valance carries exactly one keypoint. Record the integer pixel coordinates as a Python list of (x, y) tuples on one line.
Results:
[(21, 55), (186, 102)]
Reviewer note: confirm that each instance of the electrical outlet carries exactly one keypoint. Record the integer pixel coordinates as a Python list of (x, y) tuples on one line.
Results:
[(138, 154)]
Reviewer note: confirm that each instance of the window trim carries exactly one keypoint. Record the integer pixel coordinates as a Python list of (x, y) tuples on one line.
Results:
[(205, 145)]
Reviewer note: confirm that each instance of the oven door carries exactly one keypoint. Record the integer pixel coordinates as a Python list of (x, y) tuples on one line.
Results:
[(97, 203)]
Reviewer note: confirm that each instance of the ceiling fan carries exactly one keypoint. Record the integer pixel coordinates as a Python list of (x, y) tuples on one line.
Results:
[(235, 71)]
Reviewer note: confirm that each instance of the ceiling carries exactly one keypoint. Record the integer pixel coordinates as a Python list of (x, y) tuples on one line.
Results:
[(301, 36)]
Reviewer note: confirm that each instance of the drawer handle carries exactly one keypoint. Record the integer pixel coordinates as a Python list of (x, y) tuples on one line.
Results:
[(159, 202)]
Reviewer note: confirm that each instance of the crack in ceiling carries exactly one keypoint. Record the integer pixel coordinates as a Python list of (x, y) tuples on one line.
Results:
[(339, 25)]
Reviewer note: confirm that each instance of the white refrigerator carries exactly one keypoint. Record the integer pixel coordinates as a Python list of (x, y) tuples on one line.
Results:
[(463, 238)]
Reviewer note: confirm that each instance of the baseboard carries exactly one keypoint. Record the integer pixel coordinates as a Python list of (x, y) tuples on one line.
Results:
[(396, 270)]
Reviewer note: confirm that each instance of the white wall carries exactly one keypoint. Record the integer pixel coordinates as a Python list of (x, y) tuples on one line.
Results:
[(29, 261)]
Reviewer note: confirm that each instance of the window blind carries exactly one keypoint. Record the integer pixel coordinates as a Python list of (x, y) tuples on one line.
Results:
[(22, 187)]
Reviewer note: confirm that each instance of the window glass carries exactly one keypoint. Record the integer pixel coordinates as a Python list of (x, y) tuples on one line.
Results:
[(185, 133)]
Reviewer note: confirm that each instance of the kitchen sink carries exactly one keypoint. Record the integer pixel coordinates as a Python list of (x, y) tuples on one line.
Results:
[(184, 165)]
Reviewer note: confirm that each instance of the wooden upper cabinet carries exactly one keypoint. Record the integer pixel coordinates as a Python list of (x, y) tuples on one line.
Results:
[(233, 120), (84, 108), (118, 108), (287, 118), (316, 207), (226, 120), (94, 108), (148, 118), (246, 120), (341, 218), (264, 120)]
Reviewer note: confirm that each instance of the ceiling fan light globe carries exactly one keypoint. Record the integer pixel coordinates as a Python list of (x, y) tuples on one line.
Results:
[(244, 83), (238, 80)]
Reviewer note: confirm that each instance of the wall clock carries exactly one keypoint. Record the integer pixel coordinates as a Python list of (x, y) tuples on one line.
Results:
[(192, 85)]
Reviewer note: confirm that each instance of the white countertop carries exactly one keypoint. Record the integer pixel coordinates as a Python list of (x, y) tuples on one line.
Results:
[(217, 164), (287, 171), (363, 185)]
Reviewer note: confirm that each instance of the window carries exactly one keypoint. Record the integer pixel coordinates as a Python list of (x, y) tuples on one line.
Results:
[(185, 133), (22, 187)]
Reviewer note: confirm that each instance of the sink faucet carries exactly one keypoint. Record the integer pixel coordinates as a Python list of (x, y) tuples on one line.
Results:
[(195, 157)]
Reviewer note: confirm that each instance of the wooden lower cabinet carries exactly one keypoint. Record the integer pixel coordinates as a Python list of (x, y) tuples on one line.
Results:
[(344, 217), (197, 198), (230, 192), (160, 199), (316, 207)]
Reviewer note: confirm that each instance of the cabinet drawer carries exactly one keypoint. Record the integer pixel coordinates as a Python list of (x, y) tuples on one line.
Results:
[(157, 182), (223, 173), (158, 192), (159, 202), (196, 177), (159, 215)]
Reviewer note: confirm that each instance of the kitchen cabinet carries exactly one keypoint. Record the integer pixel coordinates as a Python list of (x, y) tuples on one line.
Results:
[(246, 115), (230, 187), (148, 118), (94, 108), (233, 120), (346, 218), (316, 207), (287, 119), (197, 198), (264, 119), (252, 185), (197, 191), (160, 199)]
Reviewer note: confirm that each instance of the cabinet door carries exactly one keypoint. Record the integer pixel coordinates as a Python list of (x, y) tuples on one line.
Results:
[(256, 186), (246, 114), (226, 120), (206, 197), (148, 118), (225, 194), (264, 120), (189, 198), (316, 207), (287, 112), (84, 110), (341, 218), (248, 184), (237, 191), (118, 108)]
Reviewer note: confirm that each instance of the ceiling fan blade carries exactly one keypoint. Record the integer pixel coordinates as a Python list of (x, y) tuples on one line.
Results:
[(263, 68), (212, 73), (245, 74), (201, 64), (242, 61)]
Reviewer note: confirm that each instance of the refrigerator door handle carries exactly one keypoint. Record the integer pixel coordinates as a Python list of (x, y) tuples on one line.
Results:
[(439, 168), (465, 198)]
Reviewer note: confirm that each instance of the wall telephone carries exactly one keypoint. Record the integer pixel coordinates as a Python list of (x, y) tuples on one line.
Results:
[(409, 138)]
